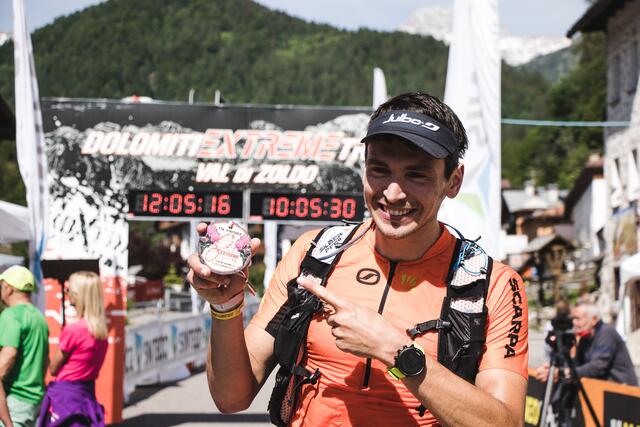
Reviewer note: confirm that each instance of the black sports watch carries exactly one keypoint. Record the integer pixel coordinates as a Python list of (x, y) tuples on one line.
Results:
[(409, 362)]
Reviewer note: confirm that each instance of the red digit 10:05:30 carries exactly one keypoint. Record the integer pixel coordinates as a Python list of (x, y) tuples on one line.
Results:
[(315, 207)]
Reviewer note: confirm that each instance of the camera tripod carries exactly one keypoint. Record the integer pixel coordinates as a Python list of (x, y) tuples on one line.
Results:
[(560, 358)]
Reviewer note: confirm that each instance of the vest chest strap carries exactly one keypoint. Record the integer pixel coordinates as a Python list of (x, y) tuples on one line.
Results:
[(424, 327)]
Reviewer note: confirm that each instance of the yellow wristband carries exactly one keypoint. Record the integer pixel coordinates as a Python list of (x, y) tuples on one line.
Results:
[(227, 314)]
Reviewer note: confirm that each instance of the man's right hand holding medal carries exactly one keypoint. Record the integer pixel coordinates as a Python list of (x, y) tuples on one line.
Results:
[(217, 289)]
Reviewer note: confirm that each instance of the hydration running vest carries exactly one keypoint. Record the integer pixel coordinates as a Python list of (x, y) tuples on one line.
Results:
[(460, 328)]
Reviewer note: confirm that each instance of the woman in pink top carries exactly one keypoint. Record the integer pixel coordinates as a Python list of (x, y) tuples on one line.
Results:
[(70, 400)]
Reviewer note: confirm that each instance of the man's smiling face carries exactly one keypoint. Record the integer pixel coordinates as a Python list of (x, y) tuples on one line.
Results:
[(404, 188)]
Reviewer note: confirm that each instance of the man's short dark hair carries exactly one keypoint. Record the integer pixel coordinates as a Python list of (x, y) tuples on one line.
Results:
[(431, 106)]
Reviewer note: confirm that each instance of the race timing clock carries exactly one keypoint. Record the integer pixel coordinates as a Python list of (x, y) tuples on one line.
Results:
[(212, 204), (306, 207)]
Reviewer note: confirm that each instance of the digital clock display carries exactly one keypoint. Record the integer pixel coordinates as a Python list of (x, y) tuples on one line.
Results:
[(306, 207), (212, 204)]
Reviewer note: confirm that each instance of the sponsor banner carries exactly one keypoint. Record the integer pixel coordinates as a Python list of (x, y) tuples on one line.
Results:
[(154, 347), (615, 405), (621, 410), (533, 406), (533, 402)]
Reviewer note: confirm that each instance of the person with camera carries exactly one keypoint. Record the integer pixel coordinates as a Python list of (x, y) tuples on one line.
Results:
[(374, 362), (600, 351)]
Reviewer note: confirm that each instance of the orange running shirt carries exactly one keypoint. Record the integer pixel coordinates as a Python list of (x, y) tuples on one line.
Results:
[(353, 391)]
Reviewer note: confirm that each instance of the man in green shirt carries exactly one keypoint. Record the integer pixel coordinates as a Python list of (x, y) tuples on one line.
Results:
[(23, 350)]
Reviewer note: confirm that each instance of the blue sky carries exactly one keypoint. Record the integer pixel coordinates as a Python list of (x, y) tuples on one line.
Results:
[(519, 17)]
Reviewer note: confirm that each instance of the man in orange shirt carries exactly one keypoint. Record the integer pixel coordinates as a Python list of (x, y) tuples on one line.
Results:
[(393, 276)]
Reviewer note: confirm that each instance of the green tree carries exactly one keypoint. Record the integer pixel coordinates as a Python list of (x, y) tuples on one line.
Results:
[(557, 154), (11, 185)]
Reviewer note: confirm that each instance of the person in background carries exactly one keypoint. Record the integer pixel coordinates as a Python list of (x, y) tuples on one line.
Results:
[(70, 400), (600, 353), (24, 337)]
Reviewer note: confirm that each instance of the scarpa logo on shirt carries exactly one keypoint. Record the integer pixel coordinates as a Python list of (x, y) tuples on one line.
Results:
[(516, 319), (403, 118)]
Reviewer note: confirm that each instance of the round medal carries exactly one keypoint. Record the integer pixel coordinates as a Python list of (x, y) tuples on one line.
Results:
[(225, 248)]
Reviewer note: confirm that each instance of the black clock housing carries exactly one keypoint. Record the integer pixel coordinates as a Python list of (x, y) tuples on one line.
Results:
[(410, 361), (306, 207), (209, 204)]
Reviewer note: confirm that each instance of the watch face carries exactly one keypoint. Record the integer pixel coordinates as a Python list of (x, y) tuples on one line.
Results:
[(411, 361)]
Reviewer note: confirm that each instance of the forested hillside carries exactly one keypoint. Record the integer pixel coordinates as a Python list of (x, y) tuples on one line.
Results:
[(163, 48), (555, 66), (557, 154)]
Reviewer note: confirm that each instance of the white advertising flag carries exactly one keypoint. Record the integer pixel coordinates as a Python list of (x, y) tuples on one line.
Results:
[(473, 91), (30, 142), (379, 88)]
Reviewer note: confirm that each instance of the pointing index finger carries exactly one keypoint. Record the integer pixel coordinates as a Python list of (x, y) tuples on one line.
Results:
[(322, 293)]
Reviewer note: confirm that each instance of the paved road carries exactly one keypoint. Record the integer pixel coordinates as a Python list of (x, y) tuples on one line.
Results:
[(536, 348), (187, 403)]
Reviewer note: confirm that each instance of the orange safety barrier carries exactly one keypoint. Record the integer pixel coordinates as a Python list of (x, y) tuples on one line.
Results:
[(615, 404)]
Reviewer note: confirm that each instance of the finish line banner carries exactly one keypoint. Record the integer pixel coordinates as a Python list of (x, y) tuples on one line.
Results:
[(176, 146), (109, 159)]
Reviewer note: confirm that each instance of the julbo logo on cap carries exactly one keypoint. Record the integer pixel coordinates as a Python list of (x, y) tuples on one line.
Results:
[(403, 118)]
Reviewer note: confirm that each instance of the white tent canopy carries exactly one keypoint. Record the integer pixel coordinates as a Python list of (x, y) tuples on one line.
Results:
[(14, 226)]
